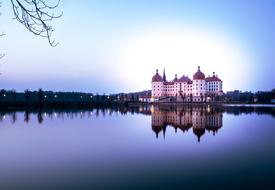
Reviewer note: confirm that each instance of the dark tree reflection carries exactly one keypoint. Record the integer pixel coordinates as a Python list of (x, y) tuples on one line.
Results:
[(14, 117), (27, 116), (200, 119), (40, 117)]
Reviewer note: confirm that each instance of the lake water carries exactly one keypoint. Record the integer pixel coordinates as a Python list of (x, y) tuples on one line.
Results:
[(198, 147)]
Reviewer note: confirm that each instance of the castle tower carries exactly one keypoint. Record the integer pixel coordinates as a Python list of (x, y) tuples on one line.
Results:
[(164, 75)]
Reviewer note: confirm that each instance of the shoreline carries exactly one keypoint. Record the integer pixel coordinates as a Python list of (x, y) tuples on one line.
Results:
[(88, 105), (203, 103)]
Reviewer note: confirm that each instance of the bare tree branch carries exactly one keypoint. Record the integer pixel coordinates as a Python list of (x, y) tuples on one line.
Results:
[(2, 34), (36, 16)]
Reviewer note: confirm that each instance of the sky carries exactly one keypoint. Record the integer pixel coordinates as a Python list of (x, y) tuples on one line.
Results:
[(116, 46)]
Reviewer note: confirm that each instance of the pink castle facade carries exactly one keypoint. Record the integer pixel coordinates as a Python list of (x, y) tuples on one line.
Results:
[(183, 89)]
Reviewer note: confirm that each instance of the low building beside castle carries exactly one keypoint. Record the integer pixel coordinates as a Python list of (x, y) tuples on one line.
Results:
[(183, 89)]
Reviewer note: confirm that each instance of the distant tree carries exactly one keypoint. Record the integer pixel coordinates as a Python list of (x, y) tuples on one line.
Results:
[(13, 94), (264, 97), (40, 95), (246, 97), (103, 97), (97, 98), (3, 94), (27, 95)]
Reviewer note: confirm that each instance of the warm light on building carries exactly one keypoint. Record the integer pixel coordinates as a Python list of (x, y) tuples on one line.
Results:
[(184, 89)]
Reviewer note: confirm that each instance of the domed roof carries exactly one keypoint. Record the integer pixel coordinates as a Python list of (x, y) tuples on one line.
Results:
[(157, 77), (198, 75)]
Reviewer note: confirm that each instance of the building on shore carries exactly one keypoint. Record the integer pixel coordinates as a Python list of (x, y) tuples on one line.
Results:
[(183, 89), (145, 98)]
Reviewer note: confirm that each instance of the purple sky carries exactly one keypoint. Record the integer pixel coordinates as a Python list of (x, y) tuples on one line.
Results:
[(108, 46)]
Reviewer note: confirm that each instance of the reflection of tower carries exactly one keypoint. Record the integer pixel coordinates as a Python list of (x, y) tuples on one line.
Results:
[(164, 131), (157, 121), (156, 129), (198, 122)]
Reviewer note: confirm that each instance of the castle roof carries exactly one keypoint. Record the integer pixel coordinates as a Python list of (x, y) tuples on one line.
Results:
[(185, 79), (214, 78), (157, 77), (198, 75)]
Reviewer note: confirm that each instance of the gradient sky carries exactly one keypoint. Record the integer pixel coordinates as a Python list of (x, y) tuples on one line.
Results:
[(116, 46)]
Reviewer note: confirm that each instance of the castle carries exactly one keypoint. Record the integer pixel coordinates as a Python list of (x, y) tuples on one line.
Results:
[(200, 89)]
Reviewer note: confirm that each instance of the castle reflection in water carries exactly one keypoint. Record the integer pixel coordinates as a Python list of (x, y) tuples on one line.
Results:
[(199, 119)]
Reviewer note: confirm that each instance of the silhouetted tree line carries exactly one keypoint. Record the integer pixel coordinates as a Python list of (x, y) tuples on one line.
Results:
[(40, 98), (265, 97)]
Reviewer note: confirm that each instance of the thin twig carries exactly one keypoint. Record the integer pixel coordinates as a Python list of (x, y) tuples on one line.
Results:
[(36, 16)]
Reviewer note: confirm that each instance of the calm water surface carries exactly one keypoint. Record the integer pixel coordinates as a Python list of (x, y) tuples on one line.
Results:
[(198, 147)]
